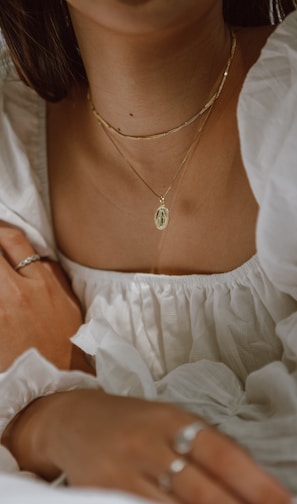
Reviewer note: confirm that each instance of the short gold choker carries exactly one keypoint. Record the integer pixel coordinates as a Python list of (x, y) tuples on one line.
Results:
[(188, 122)]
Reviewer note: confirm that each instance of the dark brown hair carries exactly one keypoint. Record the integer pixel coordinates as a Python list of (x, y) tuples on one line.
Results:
[(256, 12), (43, 46)]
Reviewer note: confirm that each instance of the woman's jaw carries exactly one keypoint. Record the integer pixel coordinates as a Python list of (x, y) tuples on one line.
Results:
[(140, 17)]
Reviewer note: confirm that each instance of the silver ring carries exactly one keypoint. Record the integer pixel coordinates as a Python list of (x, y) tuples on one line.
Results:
[(165, 479), (184, 439), (27, 260)]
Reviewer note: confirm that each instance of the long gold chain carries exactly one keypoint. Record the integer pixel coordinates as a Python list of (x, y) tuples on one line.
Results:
[(161, 216), (188, 122)]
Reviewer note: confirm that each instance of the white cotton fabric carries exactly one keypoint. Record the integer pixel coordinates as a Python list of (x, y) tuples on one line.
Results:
[(223, 345), (33, 492)]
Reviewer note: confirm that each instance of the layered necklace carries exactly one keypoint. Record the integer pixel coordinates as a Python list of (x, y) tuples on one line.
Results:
[(161, 214)]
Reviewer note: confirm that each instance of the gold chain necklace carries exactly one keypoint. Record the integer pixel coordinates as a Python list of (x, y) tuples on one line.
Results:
[(188, 122), (161, 215)]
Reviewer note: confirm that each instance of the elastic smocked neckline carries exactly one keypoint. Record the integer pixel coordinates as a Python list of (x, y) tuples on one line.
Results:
[(235, 276)]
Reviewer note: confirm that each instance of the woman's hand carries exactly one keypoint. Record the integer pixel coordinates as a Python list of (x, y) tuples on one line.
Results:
[(105, 441), (37, 307)]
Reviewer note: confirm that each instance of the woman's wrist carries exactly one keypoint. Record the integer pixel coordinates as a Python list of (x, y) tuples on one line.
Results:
[(27, 435), (42, 436), (60, 439), (30, 391)]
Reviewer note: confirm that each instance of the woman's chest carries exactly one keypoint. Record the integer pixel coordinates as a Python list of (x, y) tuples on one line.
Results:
[(100, 224), (104, 213)]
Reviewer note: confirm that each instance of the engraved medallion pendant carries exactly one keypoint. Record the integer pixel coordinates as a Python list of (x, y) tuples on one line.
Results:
[(161, 216)]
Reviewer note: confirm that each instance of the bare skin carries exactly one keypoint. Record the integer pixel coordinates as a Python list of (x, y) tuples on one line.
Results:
[(212, 227), (153, 58)]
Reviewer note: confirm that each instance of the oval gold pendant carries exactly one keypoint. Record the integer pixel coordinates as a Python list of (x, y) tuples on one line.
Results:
[(161, 217)]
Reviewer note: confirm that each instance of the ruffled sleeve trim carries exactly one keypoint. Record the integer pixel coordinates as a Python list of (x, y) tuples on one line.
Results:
[(32, 376)]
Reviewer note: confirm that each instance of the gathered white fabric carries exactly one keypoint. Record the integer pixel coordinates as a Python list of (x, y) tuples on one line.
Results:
[(31, 376), (34, 492), (223, 346)]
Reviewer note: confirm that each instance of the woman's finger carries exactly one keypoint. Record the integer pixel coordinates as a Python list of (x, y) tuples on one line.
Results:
[(16, 249), (177, 476), (228, 463), (149, 490), (192, 485)]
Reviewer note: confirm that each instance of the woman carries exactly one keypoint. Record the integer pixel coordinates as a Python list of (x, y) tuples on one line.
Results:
[(146, 208)]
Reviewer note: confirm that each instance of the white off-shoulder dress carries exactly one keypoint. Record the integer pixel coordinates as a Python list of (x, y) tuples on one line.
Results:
[(222, 345)]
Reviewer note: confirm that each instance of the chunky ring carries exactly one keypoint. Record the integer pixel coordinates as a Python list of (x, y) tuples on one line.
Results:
[(27, 260), (184, 439), (165, 479)]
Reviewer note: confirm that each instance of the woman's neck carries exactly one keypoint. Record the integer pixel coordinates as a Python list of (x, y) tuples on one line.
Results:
[(147, 83)]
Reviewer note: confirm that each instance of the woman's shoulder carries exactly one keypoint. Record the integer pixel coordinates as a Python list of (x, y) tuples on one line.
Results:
[(23, 163), (23, 109), (267, 105), (257, 42), (11, 85), (268, 130), (22, 133)]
